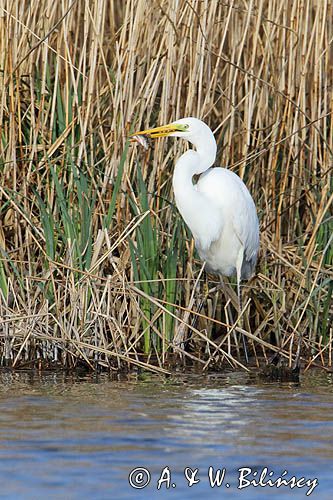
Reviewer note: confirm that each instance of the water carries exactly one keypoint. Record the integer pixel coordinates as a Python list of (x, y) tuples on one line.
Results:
[(66, 437)]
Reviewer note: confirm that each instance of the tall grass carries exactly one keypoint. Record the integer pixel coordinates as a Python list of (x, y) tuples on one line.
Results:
[(96, 266)]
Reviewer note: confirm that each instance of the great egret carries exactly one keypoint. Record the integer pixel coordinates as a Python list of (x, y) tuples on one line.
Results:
[(218, 209)]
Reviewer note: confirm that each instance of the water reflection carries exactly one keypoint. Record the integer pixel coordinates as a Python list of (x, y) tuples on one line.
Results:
[(71, 437)]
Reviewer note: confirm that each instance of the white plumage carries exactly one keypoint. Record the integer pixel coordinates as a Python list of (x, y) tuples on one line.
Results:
[(237, 228), (218, 209)]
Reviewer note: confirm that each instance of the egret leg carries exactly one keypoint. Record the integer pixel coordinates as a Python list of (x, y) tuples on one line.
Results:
[(231, 299), (240, 301)]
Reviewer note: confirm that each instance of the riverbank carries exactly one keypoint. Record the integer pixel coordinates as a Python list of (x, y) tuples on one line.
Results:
[(97, 268)]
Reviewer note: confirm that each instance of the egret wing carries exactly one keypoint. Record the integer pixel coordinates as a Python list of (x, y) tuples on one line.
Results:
[(227, 191)]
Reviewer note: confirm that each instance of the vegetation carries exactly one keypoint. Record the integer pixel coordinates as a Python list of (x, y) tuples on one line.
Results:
[(96, 266)]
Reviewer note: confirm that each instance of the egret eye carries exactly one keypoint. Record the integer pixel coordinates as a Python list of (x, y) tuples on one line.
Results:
[(180, 127)]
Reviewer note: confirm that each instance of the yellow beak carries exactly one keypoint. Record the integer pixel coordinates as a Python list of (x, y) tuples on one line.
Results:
[(163, 131)]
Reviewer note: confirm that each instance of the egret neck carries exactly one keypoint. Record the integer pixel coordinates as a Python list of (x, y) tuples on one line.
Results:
[(188, 199)]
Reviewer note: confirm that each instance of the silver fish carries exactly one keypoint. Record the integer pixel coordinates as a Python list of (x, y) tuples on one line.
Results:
[(142, 140)]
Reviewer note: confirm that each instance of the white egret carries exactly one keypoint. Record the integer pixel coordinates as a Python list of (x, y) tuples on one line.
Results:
[(218, 209)]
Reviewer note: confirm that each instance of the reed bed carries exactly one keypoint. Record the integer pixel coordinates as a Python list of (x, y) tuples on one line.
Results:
[(97, 269)]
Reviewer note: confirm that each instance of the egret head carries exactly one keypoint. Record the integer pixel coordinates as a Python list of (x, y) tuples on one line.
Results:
[(192, 130), (187, 128)]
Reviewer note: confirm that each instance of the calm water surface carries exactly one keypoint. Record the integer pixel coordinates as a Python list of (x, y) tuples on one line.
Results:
[(70, 437)]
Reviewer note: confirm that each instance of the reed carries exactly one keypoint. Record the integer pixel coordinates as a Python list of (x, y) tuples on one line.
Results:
[(96, 266)]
